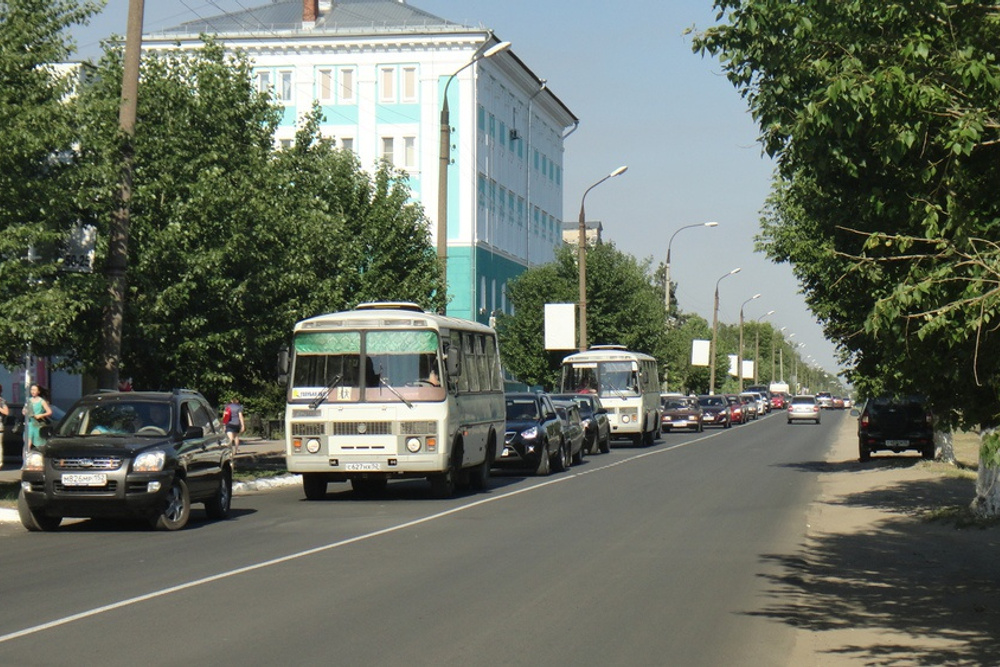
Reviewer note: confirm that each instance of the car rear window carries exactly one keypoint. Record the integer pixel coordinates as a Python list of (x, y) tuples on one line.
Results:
[(803, 400)]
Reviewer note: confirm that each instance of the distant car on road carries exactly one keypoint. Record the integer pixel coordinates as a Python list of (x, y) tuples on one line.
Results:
[(534, 435), (895, 424), (681, 412), (804, 407), (715, 410), (736, 409), (596, 425), (573, 432), (825, 399), (118, 454), (779, 401)]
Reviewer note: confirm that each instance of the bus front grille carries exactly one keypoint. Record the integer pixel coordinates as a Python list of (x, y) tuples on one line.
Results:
[(361, 428)]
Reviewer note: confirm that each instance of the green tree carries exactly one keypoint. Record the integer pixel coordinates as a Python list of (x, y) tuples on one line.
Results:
[(624, 306), (883, 119), (36, 138)]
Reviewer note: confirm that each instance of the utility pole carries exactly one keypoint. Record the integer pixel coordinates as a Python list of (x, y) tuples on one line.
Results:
[(118, 233)]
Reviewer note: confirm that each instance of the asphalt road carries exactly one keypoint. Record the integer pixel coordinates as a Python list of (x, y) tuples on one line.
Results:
[(644, 556)]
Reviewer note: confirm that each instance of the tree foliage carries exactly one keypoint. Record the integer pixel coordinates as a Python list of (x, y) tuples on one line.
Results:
[(36, 136), (883, 119), (624, 306), (232, 240)]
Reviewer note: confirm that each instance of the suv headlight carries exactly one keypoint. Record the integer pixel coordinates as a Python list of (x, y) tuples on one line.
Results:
[(35, 461), (529, 433), (150, 461)]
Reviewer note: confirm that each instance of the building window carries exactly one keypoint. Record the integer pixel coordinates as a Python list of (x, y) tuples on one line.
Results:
[(285, 85), (347, 86), (387, 85), (503, 134), (409, 152), (387, 146), (347, 143), (286, 143), (409, 85), (324, 84), (263, 81), (481, 118)]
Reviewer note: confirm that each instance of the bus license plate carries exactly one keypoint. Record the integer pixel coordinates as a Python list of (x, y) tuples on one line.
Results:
[(85, 479), (362, 467)]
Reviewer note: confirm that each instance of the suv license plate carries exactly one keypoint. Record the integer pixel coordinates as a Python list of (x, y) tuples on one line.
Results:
[(897, 443), (85, 479), (363, 467)]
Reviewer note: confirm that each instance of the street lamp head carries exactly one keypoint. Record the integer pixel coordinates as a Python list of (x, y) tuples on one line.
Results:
[(619, 171), (711, 224), (735, 271), (495, 49)]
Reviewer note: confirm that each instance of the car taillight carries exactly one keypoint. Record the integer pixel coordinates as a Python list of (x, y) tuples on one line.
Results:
[(864, 421)]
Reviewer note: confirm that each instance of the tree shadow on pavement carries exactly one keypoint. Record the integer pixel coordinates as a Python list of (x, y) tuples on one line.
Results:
[(913, 592)]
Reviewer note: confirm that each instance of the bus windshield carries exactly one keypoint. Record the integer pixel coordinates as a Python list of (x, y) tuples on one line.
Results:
[(381, 366)]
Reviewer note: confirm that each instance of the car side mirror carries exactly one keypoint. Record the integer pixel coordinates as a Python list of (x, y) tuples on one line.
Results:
[(193, 432), (855, 412)]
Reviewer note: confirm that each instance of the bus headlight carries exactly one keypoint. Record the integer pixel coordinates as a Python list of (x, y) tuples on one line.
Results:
[(626, 419), (312, 445), (413, 445)]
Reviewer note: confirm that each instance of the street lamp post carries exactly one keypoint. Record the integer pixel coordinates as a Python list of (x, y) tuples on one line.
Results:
[(715, 332), (781, 377), (581, 255), (756, 350), (444, 154), (666, 286), (739, 356)]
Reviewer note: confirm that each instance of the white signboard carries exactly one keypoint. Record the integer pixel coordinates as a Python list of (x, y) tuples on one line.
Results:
[(733, 360), (560, 326), (747, 369), (79, 254), (700, 350)]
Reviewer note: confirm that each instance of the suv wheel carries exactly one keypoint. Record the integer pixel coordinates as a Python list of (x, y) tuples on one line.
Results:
[(177, 511), (35, 521), (218, 506), (863, 453)]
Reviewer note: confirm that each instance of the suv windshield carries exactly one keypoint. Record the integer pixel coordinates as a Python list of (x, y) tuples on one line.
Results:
[(118, 418)]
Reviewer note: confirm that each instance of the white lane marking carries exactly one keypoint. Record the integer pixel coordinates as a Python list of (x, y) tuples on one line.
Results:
[(96, 611)]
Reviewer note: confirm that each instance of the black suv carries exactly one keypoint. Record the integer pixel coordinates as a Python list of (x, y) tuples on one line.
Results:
[(142, 454), (534, 435), (895, 424)]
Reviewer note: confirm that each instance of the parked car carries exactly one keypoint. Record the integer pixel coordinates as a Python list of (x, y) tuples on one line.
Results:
[(681, 412), (119, 454), (715, 411), (751, 406), (596, 425), (739, 415), (803, 407), (534, 435), (895, 424), (573, 432), (779, 401)]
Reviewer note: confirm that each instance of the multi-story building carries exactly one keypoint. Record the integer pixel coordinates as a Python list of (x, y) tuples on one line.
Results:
[(379, 69)]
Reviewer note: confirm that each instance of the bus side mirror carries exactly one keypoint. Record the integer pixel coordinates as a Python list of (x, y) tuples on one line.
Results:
[(453, 361), (283, 366)]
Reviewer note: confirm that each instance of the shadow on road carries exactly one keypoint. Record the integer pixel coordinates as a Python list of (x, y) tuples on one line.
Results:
[(937, 585)]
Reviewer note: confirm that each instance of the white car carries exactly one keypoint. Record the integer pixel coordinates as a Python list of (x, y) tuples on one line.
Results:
[(804, 407)]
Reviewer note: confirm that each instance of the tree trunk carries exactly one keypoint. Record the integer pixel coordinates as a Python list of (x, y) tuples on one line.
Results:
[(987, 502), (945, 446)]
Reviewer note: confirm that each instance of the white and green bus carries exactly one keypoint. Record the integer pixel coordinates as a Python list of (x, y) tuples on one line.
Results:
[(627, 383), (388, 391)]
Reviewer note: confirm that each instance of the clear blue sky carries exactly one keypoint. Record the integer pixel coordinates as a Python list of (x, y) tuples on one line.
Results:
[(626, 70)]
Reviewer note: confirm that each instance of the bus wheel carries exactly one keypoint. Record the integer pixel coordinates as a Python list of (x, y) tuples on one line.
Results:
[(479, 476), (443, 484), (314, 486)]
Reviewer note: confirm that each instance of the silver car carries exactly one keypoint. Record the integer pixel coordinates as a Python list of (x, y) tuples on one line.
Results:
[(803, 408)]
